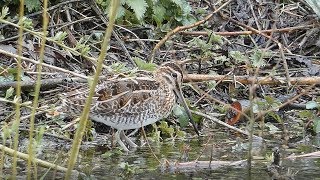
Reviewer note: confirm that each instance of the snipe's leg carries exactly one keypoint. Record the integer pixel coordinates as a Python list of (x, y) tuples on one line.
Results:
[(128, 140), (118, 139)]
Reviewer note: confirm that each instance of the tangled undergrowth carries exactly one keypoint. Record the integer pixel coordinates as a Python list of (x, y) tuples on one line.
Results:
[(259, 57)]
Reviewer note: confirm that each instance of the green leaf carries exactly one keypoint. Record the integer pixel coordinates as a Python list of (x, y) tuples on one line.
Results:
[(114, 153), (4, 12), (312, 105), (98, 36), (33, 5), (186, 8), (272, 128), (118, 67), (238, 56), (39, 134), (275, 116), (121, 12), (82, 47), (106, 7), (180, 3), (180, 112), (144, 65), (138, 6), (212, 84), (306, 114), (316, 126), (270, 100), (202, 44), (159, 14), (9, 92), (166, 129), (189, 19), (60, 36), (6, 131), (180, 133), (216, 39), (166, 27), (219, 59), (26, 23), (257, 58), (107, 154)]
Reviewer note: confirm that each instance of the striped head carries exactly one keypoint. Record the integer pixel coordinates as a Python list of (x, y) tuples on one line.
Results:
[(172, 74)]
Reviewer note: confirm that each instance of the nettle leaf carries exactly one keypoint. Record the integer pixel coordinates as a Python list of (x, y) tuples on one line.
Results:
[(166, 27), (186, 8), (180, 3), (214, 38), (238, 56), (189, 20), (33, 5), (212, 84), (202, 44), (257, 58), (144, 65), (159, 14), (120, 12), (106, 8), (138, 6)]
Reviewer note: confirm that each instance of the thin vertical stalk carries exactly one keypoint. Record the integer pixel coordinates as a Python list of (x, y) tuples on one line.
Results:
[(2, 158), (37, 89), (85, 114), (18, 92), (251, 123)]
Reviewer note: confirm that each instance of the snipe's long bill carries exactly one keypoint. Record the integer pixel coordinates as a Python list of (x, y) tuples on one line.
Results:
[(131, 103)]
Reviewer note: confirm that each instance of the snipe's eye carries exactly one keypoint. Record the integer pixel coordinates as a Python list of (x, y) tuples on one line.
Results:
[(174, 75)]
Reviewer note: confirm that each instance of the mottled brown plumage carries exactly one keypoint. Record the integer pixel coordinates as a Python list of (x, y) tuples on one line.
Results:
[(130, 103)]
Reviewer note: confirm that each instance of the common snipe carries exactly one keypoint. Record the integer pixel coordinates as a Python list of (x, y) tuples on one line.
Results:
[(131, 103)]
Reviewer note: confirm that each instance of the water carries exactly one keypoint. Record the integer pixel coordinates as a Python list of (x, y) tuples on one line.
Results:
[(98, 162), (141, 164)]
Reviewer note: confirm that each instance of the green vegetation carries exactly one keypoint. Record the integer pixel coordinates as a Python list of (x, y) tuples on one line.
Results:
[(163, 13)]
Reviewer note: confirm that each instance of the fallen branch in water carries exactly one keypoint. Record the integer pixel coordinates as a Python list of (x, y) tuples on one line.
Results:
[(308, 155), (195, 165)]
